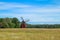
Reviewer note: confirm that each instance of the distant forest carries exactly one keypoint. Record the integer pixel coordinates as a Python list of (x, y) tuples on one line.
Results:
[(15, 23)]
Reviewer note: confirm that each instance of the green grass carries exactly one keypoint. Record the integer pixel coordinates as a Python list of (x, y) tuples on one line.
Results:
[(29, 34)]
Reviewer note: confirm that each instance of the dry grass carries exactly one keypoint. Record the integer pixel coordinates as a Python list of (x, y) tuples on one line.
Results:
[(29, 34)]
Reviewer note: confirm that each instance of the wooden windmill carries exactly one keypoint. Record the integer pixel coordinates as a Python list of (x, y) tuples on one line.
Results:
[(23, 23)]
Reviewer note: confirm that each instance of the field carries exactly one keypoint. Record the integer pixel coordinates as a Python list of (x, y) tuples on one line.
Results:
[(29, 34)]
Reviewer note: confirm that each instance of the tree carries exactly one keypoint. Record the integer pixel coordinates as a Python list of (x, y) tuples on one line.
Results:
[(16, 22)]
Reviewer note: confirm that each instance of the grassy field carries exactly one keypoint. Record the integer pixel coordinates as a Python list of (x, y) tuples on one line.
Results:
[(29, 34)]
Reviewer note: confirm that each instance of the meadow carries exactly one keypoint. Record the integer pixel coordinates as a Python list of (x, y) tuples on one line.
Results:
[(29, 34)]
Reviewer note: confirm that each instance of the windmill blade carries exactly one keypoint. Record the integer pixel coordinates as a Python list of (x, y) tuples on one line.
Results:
[(26, 20), (22, 18)]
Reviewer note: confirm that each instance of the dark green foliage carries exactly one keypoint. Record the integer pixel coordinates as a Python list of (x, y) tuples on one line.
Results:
[(44, 26), (16, 22), (9, 23)]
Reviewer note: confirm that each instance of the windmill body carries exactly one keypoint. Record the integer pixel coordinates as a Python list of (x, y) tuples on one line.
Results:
[(23, 23)]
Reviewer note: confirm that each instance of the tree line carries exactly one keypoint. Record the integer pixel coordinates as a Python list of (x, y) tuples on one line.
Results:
[(44, 26), (15, 23), (9, 23)]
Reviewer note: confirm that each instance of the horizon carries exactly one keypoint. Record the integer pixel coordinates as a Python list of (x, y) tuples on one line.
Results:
[(37, 11)]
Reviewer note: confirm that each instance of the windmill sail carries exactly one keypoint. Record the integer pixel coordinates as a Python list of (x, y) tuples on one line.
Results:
[(22, 19)]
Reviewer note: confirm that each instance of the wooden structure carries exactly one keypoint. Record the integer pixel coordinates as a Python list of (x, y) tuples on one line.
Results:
[(23, 24)]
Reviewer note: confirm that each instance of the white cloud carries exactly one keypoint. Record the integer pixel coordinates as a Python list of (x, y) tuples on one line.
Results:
[(4, 5), (41, 10), (33, 9)]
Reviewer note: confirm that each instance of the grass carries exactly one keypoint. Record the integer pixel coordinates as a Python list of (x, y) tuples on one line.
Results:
[(29, 34)]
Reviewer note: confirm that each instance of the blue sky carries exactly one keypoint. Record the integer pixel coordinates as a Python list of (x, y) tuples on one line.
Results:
[(37, 11)]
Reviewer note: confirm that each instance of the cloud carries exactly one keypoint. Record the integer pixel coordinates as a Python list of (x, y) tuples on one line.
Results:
[(41, 10), (4, 5)]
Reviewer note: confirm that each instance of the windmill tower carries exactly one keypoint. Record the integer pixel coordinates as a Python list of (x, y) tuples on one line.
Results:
[(23, 23)]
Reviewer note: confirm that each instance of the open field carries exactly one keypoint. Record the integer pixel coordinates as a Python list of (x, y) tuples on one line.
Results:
[(29, 34)]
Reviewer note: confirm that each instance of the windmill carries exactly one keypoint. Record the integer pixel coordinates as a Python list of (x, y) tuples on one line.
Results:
[(23, 23)]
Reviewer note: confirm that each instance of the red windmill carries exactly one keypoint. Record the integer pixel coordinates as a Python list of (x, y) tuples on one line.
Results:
[(23, 23)]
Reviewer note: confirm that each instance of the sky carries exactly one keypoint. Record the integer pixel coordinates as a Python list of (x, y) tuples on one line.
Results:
[(36, 11)]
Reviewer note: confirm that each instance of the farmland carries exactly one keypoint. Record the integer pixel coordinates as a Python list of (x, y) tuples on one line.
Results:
[(29, 34)]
